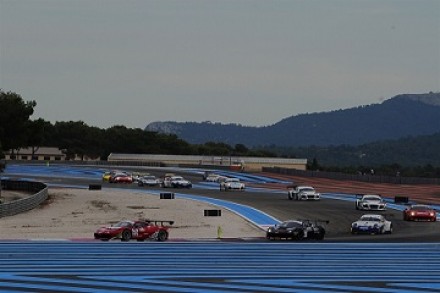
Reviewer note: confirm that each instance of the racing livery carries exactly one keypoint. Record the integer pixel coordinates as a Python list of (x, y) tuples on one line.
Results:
[(303, 193), (138, 230), (296, 230), (176, 182), (420, 212), (148, 180), (371, 202), (372, 224), (232, 184)]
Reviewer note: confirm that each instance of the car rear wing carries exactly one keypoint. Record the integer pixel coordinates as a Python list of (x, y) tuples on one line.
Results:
[(160, 222), (317, 221)]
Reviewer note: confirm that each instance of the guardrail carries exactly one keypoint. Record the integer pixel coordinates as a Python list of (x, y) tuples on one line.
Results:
[(354, 177), (25, 204)]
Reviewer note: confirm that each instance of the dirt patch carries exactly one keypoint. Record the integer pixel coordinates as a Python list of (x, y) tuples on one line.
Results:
[(78, 213)]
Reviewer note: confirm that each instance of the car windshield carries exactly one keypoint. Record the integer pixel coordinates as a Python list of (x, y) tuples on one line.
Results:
[(290, 224), (150, 178), (122, 224), (370, 219), (177, 178), (233, 180), (420, 208), (307, 189), (372, 198)]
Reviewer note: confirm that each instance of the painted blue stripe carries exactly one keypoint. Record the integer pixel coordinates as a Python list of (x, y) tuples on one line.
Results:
[(217, 267)]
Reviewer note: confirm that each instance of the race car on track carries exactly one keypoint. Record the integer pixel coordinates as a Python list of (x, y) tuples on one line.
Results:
[(232, 184), (176, 182), (417, 212), (138, 230), (214, 178), (303, 193), (106, 176), (120, 177), (296, 230), (148, 180), (371, 202), (372, 224)]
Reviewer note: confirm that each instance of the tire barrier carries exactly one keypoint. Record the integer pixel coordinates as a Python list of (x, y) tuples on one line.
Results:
[(212, 213), (167, 195), (25, 204)]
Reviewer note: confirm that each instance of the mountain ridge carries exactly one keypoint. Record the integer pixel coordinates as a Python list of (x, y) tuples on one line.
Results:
[(394, 118)]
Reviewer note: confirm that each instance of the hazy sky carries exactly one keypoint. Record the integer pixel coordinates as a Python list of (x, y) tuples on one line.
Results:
[(230, 61)]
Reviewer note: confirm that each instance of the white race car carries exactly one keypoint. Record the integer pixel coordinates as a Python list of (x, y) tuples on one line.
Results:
[(176, 182), (371, 202), (303, 193), (148, 180), (232, 184), (372, 224)]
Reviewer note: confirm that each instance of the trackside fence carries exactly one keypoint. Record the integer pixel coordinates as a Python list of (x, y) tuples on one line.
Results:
[(353, 177), (39, 189)]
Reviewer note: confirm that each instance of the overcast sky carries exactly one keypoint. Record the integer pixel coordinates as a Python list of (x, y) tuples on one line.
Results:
[(231, 61)]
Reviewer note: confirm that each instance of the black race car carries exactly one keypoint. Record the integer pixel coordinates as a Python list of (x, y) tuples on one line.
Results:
[(296, 230)]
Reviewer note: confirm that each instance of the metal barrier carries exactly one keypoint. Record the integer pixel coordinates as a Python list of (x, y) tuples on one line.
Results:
[(25, 204)]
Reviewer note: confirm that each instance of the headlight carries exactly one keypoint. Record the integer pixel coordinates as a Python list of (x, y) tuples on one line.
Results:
[(354, 225), (413, 213)]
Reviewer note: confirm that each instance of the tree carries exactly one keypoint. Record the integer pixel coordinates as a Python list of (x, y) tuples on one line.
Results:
[(14, 117), (35, 134)]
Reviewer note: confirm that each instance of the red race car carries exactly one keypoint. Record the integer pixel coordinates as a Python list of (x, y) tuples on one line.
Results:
[(139, 230), (419, 212), (121, 178)]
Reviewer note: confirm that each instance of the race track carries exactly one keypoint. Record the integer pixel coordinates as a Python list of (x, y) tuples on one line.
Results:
[(340, 263)]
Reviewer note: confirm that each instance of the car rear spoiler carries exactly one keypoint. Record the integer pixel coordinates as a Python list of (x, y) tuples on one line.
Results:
[(316, 221), (160, 222)]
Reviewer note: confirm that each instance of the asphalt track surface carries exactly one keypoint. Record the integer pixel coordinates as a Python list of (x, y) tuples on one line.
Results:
[(229, 266), (339, 213), (218, 267)]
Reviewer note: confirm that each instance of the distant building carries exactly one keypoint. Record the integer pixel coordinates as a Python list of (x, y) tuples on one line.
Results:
[(40, 154), (253, 164)]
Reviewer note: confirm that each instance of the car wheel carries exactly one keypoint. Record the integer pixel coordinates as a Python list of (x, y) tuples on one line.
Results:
[(162, 236), (289, 196), (126, 235), (391, 229), (321, 234), (356, 206), (299, 236)]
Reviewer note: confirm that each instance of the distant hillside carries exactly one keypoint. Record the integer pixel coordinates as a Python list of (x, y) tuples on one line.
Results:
[(409, 151), (401, 116)]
